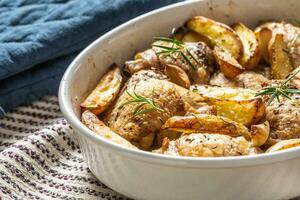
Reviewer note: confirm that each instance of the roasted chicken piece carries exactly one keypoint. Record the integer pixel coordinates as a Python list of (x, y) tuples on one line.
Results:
[(140, 129), (206, 145), (142, 61), (284, 118), (248, 79)]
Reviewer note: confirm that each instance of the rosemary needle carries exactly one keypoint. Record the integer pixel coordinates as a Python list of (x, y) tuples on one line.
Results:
[(177, 47), (280, 90), (142, 103)]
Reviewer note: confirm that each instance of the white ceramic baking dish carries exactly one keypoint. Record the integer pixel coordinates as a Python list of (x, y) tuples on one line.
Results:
[(144, 175)]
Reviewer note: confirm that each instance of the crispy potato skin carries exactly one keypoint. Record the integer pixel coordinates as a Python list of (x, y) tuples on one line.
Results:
[(105, 92), (284, 144), (237, 104), (251, 52), (192, 36), (206, 123), (219, 34), (228, 64), (206, 145), (291, 38), (263, 35), (280, 58), (90, 120)]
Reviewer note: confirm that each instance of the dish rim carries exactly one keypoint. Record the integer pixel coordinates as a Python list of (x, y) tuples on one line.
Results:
[(140, 155)]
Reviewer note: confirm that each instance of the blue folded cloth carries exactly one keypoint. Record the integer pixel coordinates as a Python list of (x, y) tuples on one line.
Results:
[(39, 38)]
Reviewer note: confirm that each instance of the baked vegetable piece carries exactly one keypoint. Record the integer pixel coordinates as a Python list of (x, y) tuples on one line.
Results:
[(291, 38), (228, 64), (192, 36), (263, 35), (105, 92), (98, 127), (251, 52), (280, 58), (219, 34), (207, 124), (237, 104), (284, 144)]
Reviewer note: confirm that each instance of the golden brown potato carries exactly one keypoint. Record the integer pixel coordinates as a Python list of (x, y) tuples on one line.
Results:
[(228, 64), (280, 58), (192, 36), (251, 52), (177, 75), (98, 127), (237, 104), (284, 144), (105, 92), (219, 34), (260, 134), (291, 37), (263, 35), (206, 123)]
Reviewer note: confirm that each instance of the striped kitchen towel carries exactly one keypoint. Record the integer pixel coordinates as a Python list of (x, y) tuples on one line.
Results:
[(41, 159)]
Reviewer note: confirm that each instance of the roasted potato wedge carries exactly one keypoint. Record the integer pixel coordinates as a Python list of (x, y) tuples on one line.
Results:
[(105, 92), (251, 52), (280, 58), (237, 104), (192, 36), (207, 124), (219, 34), (260, 134), (263, 35), (98, 127), (228, 64), (284, 144), (291, 38), (177, 75)]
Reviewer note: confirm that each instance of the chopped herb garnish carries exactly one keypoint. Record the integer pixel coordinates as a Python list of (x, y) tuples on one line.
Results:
[(177, 47), (280, 90), (143, 103)]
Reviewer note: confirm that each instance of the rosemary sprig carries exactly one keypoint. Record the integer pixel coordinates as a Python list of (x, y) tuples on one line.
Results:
[(177, 47), (281, 90), (142, 102)]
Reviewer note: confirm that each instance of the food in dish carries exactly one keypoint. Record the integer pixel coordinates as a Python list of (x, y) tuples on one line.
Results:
[(209, 90)]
